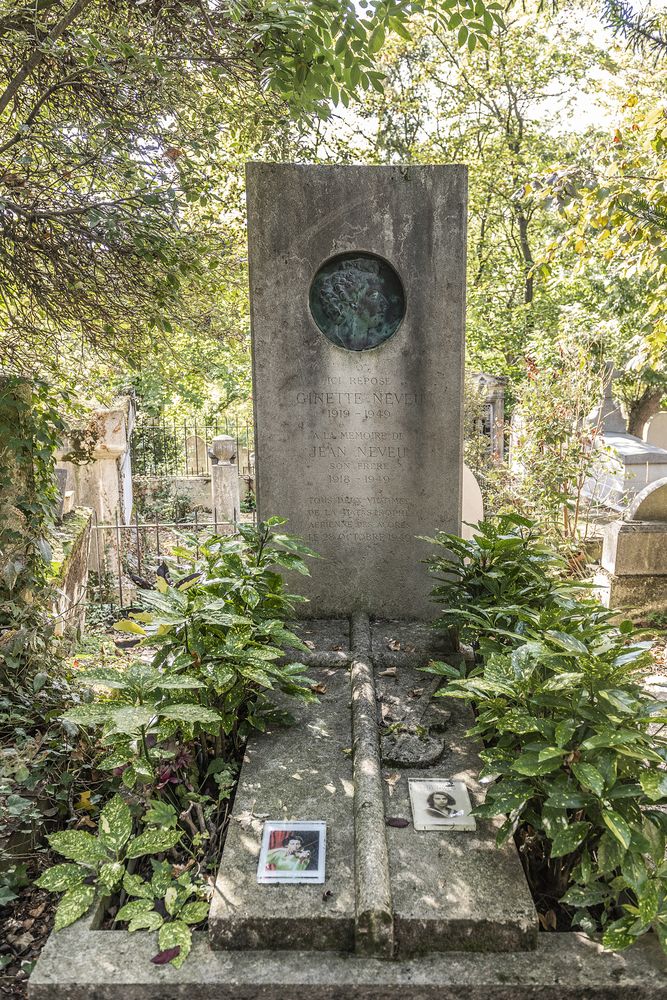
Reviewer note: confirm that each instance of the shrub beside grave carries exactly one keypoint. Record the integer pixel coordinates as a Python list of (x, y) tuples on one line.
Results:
[(574, 748), (171, 731)]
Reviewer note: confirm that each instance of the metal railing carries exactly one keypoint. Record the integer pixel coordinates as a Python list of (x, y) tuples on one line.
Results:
[(124, 557), (169, 446)]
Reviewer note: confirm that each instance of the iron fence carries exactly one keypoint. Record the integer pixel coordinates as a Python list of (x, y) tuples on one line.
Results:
[(127, 557), (170, 446)]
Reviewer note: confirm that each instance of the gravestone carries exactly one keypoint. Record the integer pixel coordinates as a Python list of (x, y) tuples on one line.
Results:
[(357, 281), (473, 504), (196, 459), (655, 432)]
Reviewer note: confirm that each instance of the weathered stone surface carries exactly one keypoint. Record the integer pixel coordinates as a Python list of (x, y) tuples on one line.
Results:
[(296, 773), (655, 431), (374, 931), (376, 434), (650, 504), (635, 548), (80, 964), (451, 891), (411, 750), (632, 593)]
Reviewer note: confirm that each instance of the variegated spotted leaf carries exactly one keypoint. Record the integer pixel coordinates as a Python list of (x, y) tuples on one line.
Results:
[(135, 908), (110, 875), (134, 885), (62, 877), (150, 921), (152, 842), (176, 934), (115, 825), (77, 845), (73, 905), (194, 913)]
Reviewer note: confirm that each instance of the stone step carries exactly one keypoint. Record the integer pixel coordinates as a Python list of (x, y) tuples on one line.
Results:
[(451, 891), (297, 773)]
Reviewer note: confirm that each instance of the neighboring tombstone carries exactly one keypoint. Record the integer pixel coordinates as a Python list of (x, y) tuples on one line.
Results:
[(357, 278), (196, 459), (626, 464), (493, 389), (65, 494), (473, 504), (634, 554), (225, 495), (655, 431), (96, 456)]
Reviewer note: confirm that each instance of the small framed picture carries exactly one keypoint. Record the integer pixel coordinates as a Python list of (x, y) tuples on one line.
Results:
[(440, 804), (292, 852)]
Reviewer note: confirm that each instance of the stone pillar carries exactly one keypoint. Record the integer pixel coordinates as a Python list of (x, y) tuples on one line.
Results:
[(225, 495)]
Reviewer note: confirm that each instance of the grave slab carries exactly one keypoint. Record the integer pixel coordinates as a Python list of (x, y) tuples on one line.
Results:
[(451, 891), (296, 773)]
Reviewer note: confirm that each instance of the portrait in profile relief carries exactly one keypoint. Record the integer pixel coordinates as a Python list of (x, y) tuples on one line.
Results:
[(357, 301)]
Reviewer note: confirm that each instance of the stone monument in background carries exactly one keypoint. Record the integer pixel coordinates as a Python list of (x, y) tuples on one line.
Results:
[(357, 281)]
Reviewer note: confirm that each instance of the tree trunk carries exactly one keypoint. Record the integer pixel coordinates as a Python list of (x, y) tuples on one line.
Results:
[(643, 408)]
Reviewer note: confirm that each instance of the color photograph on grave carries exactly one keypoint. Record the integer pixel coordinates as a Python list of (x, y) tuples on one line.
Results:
[(292, 852)]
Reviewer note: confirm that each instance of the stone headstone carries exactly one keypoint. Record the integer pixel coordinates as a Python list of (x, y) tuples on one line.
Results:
[(357, 280), (473, 504), (196, 459), (650, 504), (655, 431)]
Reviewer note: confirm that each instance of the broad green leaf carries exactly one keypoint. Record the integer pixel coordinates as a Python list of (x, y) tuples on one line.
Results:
[(131, 718), (150, 921), (110, 875), (619, 934), (73, 905), (568, 642), (171, 899), (567, 840), (62, 877), (87, 715), (115, 824), (589, 777), (77, 845), (587, 895), (134, 908), (190, 713), (654, 784), (648, 902), (194, 913), (618, 827), (176, 934), (152, 841)]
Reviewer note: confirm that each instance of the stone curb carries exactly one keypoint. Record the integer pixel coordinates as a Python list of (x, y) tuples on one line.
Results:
[(374, 921)]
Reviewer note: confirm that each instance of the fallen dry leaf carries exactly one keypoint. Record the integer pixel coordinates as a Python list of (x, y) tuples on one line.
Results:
[(416, 692), (392, 780), (338, 649), (548, 920), (319, 688), (397, 821), (394, 644), (309, 643), (389, 672)]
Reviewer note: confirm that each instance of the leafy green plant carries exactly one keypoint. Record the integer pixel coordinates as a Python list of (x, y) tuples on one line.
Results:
[(223, 624), (97, 865), (570, 741), (141, 716), (165, 904)]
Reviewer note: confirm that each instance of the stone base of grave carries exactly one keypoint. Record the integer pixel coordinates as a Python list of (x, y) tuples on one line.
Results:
[(83, 964), (632, 593), (402, 913)]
